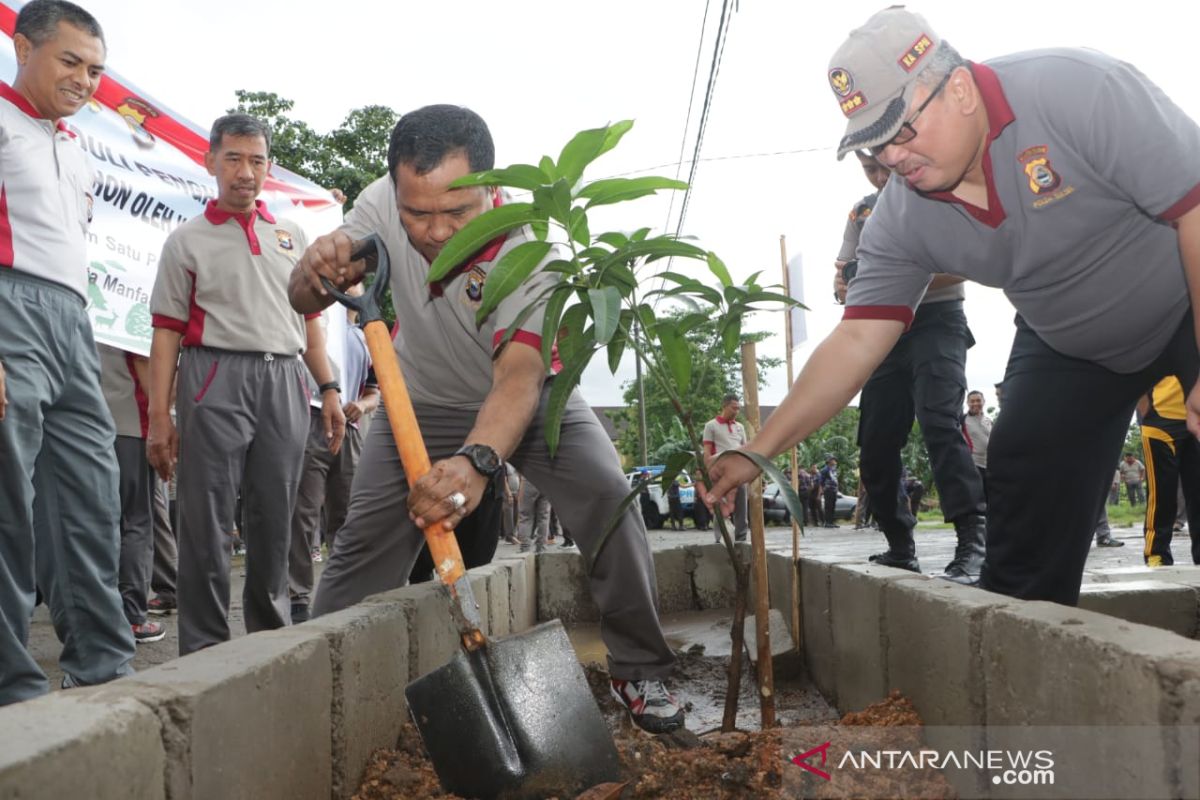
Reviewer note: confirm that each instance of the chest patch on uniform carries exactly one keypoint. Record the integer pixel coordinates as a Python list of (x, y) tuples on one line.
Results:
[(285, 240), (473, 287), (1044, 182)]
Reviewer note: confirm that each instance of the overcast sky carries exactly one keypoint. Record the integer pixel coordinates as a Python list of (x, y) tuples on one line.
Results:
[(540, 70)]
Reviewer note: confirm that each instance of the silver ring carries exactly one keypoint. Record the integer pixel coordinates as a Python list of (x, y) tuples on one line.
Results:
[(458, 500)]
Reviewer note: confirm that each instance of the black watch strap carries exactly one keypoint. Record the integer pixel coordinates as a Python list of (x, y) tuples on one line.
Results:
[(325, 387)]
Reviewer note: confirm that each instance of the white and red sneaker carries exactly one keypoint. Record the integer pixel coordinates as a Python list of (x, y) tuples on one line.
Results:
[(651, 707), (149, 632)]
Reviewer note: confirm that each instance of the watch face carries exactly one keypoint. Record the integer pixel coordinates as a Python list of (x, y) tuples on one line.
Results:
[(487, 458)]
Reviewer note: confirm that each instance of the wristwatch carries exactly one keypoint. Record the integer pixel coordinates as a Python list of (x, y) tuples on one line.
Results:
[(485, 460), (325, 387)]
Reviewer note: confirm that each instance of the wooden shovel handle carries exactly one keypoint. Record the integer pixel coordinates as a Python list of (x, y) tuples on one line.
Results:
[(443, 546)]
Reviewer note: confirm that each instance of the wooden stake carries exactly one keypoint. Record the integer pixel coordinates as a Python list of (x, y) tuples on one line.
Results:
[(758, 546), (797, 630)]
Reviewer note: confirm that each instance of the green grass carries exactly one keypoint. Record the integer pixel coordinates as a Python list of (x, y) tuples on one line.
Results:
[(1123, 516)]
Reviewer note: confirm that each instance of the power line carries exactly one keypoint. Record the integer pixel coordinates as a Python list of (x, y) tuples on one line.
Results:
[(714, 70), (731, 157), (687, 122)]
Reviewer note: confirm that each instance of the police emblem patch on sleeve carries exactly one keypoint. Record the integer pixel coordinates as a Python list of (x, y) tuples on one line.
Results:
[(285, 240), (473, 288)]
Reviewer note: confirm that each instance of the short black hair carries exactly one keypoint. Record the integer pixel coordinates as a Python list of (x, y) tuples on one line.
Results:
[(976, 391), (423, 138), (729, 398), (38, 21), (238, 125)]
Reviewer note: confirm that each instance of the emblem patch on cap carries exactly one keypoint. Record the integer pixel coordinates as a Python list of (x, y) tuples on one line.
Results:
[(853, 104), (285, 240), (840, 81), (913, 56), (1042, 177)]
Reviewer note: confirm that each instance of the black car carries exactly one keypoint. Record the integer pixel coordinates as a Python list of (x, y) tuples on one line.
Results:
[(774, 509)]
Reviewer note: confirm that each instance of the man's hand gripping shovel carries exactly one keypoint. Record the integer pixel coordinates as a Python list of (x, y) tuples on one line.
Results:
[(510, 717)]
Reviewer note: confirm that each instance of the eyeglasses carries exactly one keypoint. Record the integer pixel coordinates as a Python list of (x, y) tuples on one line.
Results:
[(907, 132)]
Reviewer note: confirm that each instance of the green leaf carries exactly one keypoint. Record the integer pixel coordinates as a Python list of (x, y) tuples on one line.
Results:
[(548, 168), (679, 357), (776, 474), (519, 176), (658, 247), (692, 321), (540, 228), (620, 276), (614, 521), (582, 150), (770, 297), (478, 232), (579, 227), (613, 135), (731, 334), (564, 266), (718, 268), (561, 386), (616, 349), (676, 463), (640, 234), (508, 273), (613, 239), (552, 320), (646, 315), (554, 201), (572, 340), (606, 311), (618, 190)]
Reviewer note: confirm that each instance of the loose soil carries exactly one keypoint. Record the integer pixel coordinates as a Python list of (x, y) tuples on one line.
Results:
[(695, 764)]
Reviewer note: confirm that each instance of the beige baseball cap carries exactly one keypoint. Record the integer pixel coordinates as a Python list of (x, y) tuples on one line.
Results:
[(874, 72)]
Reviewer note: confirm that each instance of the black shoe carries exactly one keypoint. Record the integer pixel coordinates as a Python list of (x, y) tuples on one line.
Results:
[(832, 525), (1109, 541), (964, 568), (741, 537), (299, 613), (888, 558)]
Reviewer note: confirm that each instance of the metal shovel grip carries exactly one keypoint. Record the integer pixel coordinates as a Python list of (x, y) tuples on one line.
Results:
[(443, 546)]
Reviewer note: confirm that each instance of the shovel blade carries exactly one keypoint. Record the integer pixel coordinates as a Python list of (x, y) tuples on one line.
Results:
[(514, 719)]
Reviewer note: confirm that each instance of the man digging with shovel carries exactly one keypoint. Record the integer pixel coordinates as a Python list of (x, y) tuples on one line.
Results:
[(477, 403)]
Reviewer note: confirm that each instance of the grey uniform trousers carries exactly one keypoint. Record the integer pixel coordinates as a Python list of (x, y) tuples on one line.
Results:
[(166, 547), (375, 549), (137, 527), (533, 518), (242, 422), (58, 491), (324, 483)]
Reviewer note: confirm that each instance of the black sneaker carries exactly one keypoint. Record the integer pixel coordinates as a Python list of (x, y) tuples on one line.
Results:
[(1109, 541), (300, 613), (897, 560), (651, 707)]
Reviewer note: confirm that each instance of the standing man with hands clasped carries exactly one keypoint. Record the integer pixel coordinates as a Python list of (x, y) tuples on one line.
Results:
[(59, 506), (1027, 173), (479, 401), (221, 295)]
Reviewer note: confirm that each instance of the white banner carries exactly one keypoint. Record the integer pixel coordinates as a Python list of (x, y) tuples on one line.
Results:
[(150, 179), (795, 269)]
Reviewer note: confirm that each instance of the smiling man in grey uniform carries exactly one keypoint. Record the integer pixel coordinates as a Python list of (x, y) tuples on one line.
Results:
[(242, 403), (59, 507), (1057, 175), (478, 402)]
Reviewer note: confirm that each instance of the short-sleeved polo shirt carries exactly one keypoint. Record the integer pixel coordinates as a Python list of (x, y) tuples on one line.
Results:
[(45, 195), (1087, 164), (222, 282), (724, 434), (445, 357), (124, 394)]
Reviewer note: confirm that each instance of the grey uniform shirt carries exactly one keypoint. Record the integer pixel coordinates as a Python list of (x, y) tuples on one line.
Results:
[(1087, 165), (724, 435), (222, 282), (978, 429), (446, 359), (859, 215), (123, 393)]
